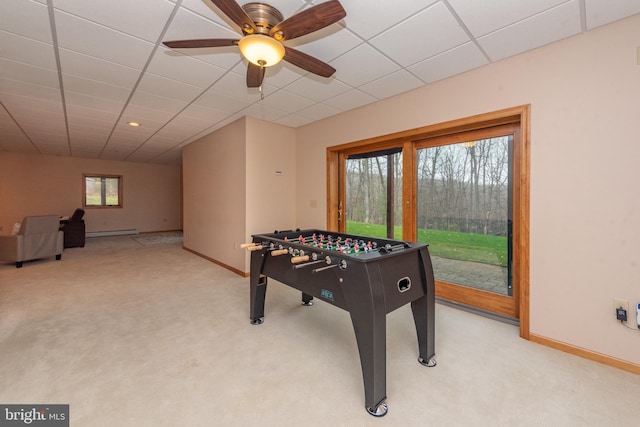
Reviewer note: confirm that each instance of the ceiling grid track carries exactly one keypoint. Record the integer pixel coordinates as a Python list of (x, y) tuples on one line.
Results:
[(56, 53)]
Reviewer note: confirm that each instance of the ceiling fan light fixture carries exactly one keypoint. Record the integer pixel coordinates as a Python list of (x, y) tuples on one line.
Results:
[(261, 50)]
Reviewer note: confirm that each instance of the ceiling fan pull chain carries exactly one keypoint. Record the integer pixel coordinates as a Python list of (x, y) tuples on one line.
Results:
[(261, 92)]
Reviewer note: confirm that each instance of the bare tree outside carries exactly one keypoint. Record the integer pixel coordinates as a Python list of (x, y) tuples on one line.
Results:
[(462, 206)]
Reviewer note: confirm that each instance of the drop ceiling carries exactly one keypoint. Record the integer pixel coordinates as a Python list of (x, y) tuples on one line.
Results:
[(73, 73)]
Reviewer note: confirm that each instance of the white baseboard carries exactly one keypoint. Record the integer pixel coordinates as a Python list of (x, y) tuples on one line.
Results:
[(111, 233)]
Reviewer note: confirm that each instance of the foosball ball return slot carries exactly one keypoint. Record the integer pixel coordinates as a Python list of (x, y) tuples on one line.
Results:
[(368, 277)]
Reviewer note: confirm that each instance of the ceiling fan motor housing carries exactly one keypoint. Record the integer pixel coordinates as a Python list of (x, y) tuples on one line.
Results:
[(263, 15)]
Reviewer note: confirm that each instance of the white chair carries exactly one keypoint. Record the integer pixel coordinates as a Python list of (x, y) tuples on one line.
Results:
[(39, 237)]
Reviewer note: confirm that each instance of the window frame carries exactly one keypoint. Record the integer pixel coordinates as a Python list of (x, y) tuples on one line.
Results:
[(102, 177)]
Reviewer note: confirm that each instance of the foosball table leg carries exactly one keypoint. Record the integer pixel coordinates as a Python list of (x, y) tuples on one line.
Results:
[(307, 299), (258, 293)]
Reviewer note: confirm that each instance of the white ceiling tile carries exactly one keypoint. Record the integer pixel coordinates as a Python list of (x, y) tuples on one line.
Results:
[(144, 155), (188, 25), (115, 153), (126, 134), (455, 61), (141, 18), (318, 111), (155, 102), (281, 74), (27, 18), (326, 44), (44, 139), (600, 12), (194, 125), (317, 88), (13, 138), (29, 90), (86, 152), (218, 101), (94, 88), (554, 24), (362, 65), (483, 17), (17, 145), (81, 113), (425, 34), (177, 66), (199, 112), (349, 100), (60, 148), (294, 121), (168, 88), (99, 104), (27, 105), (93, 68), (27, 51), (146, 116), (172, 132), (263, 112), (80, 35), (392, 84), (368, 18), (235, 85), (286, 101), (29, 74), (84, 137)]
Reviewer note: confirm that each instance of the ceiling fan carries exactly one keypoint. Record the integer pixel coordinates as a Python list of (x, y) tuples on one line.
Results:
[(264, 29)]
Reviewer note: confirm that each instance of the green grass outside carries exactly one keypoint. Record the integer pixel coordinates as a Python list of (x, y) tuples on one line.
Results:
[(95, 200), (447, 244)]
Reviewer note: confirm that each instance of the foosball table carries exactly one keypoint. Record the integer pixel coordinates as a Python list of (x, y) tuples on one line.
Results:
[(368, 277)]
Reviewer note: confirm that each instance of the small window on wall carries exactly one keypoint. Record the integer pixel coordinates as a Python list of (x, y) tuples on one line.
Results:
[(102, 191)]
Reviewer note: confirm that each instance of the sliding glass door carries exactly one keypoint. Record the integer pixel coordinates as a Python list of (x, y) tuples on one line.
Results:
[(464, 211), (462, 187), (373, 194)]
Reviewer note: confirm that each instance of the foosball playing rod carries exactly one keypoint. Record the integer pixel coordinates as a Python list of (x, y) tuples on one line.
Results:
[(307, 264), (317, 270)]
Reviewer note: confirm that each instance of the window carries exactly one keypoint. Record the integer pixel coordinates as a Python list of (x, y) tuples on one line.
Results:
[(102, 191)]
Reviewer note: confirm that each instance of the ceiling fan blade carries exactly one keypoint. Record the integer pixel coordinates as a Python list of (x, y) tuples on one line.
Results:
[(308, 62), (237, 14), (182, 44), (255, 75), (309, 20)]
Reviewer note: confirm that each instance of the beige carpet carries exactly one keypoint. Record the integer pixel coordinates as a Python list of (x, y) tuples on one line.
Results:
[(133, 335)]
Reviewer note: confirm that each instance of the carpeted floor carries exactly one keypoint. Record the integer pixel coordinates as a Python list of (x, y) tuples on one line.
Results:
[(168, 238), (134, 335)]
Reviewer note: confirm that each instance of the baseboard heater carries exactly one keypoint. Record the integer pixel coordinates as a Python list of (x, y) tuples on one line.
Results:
[(111, 233)]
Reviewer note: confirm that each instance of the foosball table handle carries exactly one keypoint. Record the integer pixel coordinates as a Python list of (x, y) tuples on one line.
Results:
[(278, 252), (299, 259)]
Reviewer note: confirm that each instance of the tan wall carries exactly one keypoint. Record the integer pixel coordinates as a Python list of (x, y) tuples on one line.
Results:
[(270, 195), (214, 194), (37, 185), (231, 189), (584, 94)]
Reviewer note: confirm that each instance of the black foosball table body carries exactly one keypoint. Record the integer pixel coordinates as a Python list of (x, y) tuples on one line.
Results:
[(369, 279)]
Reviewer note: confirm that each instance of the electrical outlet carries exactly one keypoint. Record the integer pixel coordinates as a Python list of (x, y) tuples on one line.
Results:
[(621, 304)]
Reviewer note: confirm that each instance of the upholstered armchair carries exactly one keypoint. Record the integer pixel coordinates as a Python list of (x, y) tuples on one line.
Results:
[(74, 230), (38, 237)]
